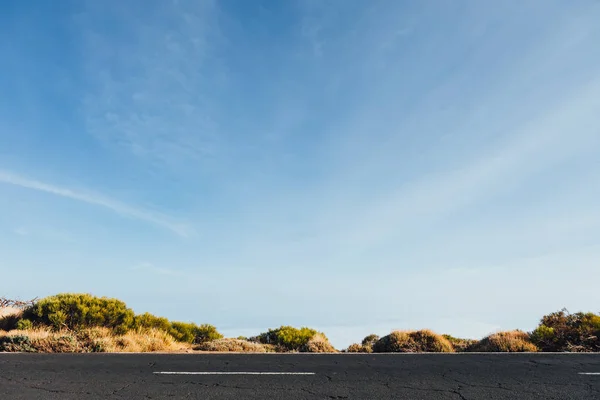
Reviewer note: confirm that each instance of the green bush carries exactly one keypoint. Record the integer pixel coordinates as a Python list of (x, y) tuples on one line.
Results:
[(288, 338), (149, 321), (24, 324), (191, 333), (563, 331), (76, 311)]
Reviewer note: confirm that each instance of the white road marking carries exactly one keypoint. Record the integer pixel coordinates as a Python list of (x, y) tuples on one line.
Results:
[(589, 373), (229, 373)]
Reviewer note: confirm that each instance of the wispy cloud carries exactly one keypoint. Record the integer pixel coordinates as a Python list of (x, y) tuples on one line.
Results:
[(560, 134), (148, 89), (97, 200), (391, 174)]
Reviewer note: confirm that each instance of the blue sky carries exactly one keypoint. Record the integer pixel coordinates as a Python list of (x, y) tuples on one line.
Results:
[(355, 166)]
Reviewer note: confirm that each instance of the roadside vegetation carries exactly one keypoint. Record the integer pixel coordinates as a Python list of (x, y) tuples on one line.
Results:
[(74, 322)]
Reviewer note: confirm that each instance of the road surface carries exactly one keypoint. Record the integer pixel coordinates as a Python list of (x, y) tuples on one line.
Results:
[(298, 376)]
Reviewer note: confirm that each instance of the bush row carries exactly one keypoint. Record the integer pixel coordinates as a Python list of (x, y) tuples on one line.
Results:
[(557, 332), (71, 314), (77, 312)]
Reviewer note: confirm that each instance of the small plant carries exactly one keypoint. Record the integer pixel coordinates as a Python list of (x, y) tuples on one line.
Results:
[(357, 348), (460, 345), (24, 325), (9, 322), (17, 343), (318, 344)]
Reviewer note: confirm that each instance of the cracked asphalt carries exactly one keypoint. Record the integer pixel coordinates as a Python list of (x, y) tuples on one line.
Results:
[(343, 376)]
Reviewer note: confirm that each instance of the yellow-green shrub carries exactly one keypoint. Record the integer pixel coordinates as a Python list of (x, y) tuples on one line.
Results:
[(77, 311), (191, 333), (287, 337), (149, 321), (24, 324)]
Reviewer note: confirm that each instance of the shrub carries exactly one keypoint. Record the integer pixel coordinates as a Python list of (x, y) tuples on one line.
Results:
[(318, 344), (95, 340), (563, 331), (368, 342), (77, 311), (149, 321), (191, 333), (357, 348), (460, 345), (24, 324), (9, 322), (20, 343), (413, 342), (287, 337), (234, 345), (510, 341), (9, 316)]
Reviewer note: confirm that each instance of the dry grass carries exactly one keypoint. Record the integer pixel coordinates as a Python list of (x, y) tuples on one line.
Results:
[(413, 342), (319, 344), (144, 341), (235, 345), (509, 341), (93, 340)]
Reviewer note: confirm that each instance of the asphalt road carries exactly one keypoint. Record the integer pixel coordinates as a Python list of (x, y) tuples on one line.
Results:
[(293, 376)]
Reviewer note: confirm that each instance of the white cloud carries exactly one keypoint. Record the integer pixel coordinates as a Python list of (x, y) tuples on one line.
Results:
[(97, 200)]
